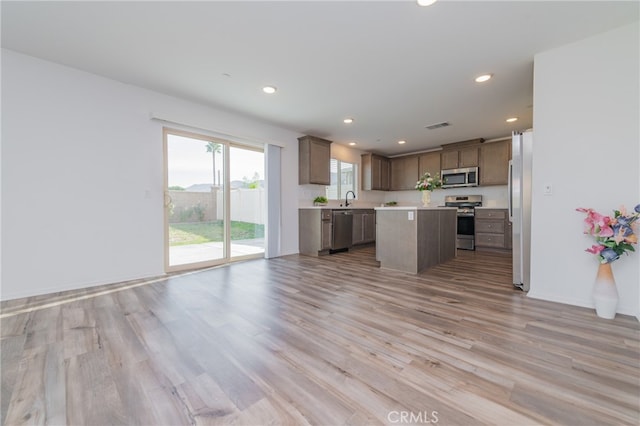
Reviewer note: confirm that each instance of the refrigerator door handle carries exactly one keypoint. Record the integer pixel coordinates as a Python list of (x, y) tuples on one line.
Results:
[(510, 190)]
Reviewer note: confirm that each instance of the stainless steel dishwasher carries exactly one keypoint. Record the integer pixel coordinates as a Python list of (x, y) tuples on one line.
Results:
[(342, 230)]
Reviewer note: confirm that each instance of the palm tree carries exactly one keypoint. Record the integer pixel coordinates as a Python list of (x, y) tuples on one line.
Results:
[(214, 148)]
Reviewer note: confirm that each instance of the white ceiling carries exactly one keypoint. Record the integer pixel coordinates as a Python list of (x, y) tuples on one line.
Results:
[(392, 66)]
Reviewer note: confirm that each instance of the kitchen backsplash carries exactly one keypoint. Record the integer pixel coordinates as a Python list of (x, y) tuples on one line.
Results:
[(492, 196)]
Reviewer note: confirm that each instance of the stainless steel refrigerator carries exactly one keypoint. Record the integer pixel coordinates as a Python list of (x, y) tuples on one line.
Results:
[(520, 206)]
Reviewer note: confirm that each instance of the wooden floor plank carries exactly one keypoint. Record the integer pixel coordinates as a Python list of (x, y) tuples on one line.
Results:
[(329, 340), (27, 401), (95, 397), (11, 348)]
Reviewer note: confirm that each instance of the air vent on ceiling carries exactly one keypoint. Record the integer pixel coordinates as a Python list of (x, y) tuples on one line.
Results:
[(437, 125)]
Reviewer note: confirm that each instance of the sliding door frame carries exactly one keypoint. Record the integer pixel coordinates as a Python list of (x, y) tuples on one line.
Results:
[(227, 252)]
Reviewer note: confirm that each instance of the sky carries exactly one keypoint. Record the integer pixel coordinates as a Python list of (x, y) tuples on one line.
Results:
[(190, 163)]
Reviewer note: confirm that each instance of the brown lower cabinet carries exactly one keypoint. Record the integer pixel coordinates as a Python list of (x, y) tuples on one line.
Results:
[(315, 230), (492, 229), (364, 226), (315, 227)]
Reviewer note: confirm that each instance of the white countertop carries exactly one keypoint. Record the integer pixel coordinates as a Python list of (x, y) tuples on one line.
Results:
[(391, 208), (335, 208)]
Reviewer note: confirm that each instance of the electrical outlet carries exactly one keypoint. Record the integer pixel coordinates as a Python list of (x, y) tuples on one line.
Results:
[(410, 216)]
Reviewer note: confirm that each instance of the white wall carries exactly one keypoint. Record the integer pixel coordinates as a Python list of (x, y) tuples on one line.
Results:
[(67, 129), (586, 144)]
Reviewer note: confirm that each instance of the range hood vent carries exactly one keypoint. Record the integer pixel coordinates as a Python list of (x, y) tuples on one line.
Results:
[(437, 125)]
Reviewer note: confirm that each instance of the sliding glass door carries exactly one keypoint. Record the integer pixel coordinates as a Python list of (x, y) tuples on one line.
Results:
[(246, 201), (214, 201)]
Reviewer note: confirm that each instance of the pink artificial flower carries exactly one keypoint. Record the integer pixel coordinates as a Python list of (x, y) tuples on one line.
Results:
[(595, 249), (618, 232), (597, 224), (606, 231)]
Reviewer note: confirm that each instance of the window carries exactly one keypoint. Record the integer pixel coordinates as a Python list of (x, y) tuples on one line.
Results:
[(343, 179)]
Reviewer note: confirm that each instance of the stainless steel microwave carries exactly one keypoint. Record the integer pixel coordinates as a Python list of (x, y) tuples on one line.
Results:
[(456, 178)]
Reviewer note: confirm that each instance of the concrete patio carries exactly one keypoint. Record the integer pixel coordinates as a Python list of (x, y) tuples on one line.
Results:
[(193, 253)]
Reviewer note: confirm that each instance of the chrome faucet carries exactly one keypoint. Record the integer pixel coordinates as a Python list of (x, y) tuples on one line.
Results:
[(346, 198)]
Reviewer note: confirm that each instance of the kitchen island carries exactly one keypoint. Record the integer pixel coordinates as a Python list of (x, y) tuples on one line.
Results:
[(413, 239)]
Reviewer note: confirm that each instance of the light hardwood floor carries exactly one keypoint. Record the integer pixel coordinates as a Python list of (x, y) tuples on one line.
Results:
[(327, 341)]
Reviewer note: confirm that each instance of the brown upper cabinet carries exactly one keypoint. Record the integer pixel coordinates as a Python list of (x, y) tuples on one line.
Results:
[(401, 173), (460, 154), (314, 158), (494, 163), (429, 162), (375, 172), (404, 172)]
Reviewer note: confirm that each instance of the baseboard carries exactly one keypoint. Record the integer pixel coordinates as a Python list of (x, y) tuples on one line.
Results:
[(70, 287), (583, 303)]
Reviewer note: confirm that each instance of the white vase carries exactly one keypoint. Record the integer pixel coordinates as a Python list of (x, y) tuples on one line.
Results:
[(605, 293), (426, 198)]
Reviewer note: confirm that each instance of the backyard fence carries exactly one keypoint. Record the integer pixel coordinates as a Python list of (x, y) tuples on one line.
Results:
[(247, 205)]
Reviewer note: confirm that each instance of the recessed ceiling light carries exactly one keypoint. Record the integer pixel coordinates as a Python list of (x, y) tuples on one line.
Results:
[(483, 78), (352, 143), (512, 119), (348, 120), (426, 2), (401, 142), (269, 89)]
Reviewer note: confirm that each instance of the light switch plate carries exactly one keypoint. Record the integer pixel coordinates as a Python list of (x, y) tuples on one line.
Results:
[(410, 215)]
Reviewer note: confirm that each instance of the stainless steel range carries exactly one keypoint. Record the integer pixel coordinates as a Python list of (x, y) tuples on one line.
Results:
[(466, 205)]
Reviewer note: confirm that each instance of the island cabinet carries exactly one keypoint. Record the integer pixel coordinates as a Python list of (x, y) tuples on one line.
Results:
[(364, 226), (460, 154), (314, 159), (492, 229), (404, 172), (429, 162), (375, 172), (415, 239), (494, 163)]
